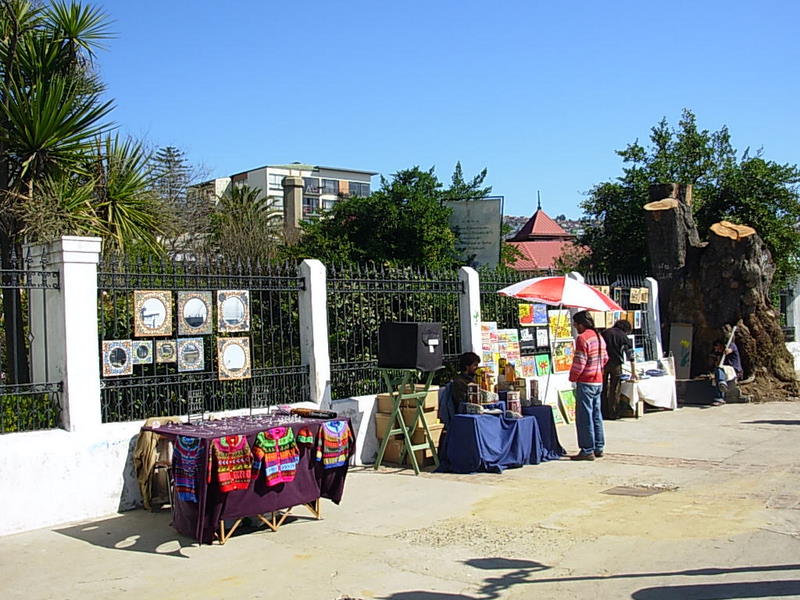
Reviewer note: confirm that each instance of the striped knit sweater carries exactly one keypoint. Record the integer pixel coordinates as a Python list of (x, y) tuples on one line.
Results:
[(276, 450), (187, 460), (589, 359), (333, 444), (234, 462)]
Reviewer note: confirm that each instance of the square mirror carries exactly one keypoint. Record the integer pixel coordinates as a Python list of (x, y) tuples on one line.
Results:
[(142, 352), (233, 311), (190, 354), (166, 352), (194, 313), (152, 313), (233, 358), (117, 358)]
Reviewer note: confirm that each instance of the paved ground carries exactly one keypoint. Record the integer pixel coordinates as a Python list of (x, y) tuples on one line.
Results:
[(724, 523)]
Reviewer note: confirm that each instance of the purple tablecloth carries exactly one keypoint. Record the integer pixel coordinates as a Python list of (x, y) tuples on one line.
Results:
[(310, 482)]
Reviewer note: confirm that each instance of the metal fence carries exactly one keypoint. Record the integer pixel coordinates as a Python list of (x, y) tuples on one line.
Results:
[(159, 388), (28, 402), (502, 309), (361, 297)]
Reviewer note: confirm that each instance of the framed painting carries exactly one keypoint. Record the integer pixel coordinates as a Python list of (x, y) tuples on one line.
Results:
[(152, 313), (142, 352), (559, 323), (542, 339), (233, 358), (233, 311), (117, 358), (566, 402), (525, 314), (191, 354), (542, 364), (562, 356), (539, 314), (194, 313)]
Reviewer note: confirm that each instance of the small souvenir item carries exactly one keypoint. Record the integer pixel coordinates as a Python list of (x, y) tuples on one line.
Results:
[(190, 354), (194, 313), (142, 352), (152, 313), (166, 351), (233, 358), (233, 311), (117, 358)]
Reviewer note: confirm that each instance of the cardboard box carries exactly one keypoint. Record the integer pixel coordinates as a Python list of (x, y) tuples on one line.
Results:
[(395, 446), (418, 437), (409, 414), (382, 420), (386, 401)]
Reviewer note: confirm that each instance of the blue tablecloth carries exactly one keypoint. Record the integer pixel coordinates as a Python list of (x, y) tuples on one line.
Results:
[(551, 448), (489, 443)]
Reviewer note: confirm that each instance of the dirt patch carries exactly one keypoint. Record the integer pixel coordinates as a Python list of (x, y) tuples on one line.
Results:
[(769, 389)]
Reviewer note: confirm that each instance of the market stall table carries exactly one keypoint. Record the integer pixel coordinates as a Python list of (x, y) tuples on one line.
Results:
[(551, 448), (200, 520), (655, 391)]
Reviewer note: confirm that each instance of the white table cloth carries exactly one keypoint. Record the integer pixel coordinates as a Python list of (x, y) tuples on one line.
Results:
[(656, 391)]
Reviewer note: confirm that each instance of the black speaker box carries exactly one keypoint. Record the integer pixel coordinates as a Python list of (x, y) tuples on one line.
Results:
[(410, 346)]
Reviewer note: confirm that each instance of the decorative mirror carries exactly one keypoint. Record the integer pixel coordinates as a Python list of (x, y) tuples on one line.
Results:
[(190, 354), (233, 358), (233, 310), (166, 352), (153, 313), (117, 358), (142, 352), (194, 313)]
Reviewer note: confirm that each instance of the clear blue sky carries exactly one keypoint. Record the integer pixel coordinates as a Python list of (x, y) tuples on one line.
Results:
[(539, 92)]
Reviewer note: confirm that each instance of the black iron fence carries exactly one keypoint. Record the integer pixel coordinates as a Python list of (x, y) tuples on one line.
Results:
[(361, 297), (28, 401), (159, 388), (494, 307)]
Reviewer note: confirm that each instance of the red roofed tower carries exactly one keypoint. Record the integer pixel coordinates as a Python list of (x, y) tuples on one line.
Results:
[(540, 241)]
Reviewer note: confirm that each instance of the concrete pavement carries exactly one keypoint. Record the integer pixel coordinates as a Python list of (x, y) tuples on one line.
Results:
[(715, 513)]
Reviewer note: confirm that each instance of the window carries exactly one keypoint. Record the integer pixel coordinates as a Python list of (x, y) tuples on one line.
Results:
[(275, 182), (359, 189), (330, 186), (310, 206), (328, 204), (311, 185)]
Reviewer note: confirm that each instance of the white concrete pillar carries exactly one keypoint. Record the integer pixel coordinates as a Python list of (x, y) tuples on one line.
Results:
[(70, 340), (314, 330), (654, 313), (469, 310)]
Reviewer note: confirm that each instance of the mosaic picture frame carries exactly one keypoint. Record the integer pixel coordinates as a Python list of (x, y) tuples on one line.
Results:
[(233, 311), (142, 352), (166, 351), (233, 358), (194, 313), (152, 313), (191, 354), (117, 358)]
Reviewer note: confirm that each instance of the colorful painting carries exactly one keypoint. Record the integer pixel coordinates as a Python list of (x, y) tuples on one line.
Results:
[(527, 340), (525, 313), (562, 356), (637, 319), (559, 323), (542, 364), (540, 314), (528, 366), (634, 297), (638, 354), (542, 339), (508, 344), (489, 346), (557, 415), (566, 402), (117, 358)]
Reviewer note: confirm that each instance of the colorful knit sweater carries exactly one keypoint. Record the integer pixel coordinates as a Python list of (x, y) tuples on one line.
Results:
[(234, 462), (187, 460), (589, 359), (333, 444), (276, 450)]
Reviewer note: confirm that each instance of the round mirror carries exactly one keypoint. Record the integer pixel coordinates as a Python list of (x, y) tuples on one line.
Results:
[(195, 312), (234, 358), (191, 354), (118, 357), (142, 351), (233, 311), (166, 351), (153, 313)]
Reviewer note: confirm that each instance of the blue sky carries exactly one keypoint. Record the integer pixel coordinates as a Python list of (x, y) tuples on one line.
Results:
[(539, 93)]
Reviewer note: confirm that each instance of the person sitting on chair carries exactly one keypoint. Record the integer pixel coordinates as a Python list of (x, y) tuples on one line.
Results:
[(467, 366), (727, 366)]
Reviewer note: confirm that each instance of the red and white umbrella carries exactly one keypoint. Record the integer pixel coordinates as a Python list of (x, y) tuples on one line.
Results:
[(560, 291)]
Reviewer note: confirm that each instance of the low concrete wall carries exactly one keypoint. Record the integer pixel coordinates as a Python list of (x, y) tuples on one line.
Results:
[(794, 349), (54, 477), (361, 411)]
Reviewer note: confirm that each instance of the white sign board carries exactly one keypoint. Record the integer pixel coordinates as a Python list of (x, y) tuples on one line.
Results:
[(477, 226)]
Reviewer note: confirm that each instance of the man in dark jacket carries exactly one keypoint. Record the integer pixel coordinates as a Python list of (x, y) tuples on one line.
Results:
[(618, 346)]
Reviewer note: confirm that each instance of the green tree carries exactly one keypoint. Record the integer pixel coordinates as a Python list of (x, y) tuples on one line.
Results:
[(753, 191), (403, 223)]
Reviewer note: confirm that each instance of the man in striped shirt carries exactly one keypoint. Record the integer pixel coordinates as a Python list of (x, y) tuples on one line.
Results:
[(587, 373)]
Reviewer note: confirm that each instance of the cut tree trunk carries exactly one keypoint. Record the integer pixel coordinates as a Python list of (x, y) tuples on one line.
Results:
[(715, 285)]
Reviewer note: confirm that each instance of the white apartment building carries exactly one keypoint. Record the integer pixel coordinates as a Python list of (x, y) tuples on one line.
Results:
[(323, 186)]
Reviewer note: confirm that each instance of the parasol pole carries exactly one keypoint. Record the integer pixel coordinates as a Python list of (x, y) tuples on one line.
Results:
[(552, 348)]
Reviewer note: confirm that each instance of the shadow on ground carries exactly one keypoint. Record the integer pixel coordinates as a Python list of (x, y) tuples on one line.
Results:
[(135, 531), (774, 422)]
